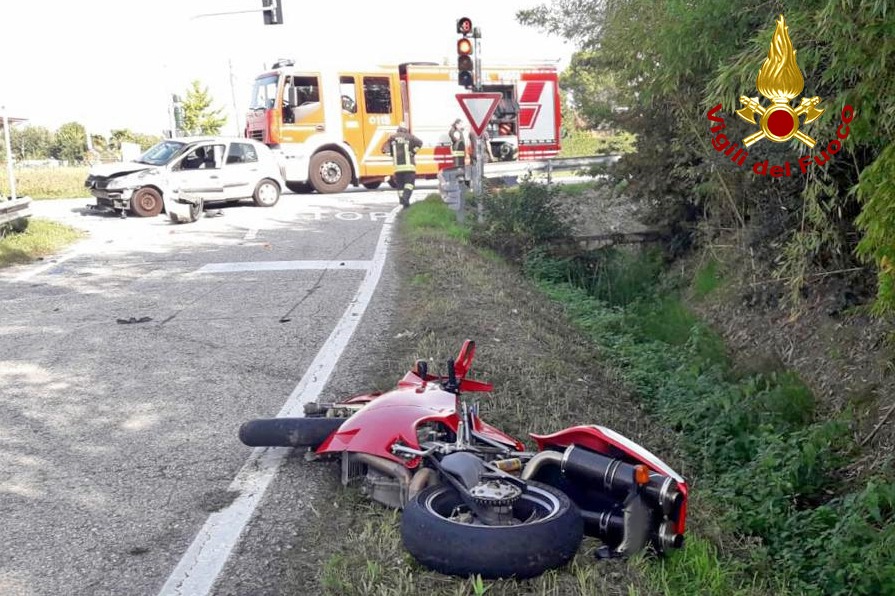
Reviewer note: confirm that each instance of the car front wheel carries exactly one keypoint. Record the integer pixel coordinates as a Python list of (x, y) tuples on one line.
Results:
[(146, 202), (267, 193)]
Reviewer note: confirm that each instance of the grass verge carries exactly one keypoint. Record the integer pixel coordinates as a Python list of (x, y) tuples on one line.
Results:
[(41, 238), (49, 183)]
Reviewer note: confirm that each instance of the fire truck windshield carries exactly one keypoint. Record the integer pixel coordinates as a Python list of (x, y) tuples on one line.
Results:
[(264, 93)]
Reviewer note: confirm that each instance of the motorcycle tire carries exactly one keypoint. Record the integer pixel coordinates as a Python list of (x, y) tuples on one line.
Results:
[(524, 550), (288, 432)]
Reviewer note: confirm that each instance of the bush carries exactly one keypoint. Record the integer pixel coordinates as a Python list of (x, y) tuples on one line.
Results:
[(518, 219)]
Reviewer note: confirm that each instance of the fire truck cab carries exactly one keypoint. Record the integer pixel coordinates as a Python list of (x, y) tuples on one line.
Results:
[(328, 127)]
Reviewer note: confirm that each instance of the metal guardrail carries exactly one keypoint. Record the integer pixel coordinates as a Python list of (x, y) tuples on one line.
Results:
[(13, 210), (517, 168)]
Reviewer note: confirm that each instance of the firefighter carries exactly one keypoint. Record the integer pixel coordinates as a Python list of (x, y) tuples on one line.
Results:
[(402, 146), (458, 143)]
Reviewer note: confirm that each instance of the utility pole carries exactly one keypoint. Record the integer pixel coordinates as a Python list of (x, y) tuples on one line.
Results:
[(9, 158), (478, 172)]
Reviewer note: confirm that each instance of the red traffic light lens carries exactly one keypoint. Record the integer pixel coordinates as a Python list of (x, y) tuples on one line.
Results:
[(464, 47), (464, 26)]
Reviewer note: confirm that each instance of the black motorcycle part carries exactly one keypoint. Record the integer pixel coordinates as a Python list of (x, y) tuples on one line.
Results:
[(288, 432), (612, 475), (524, 550), (466, 467), (608, 526)]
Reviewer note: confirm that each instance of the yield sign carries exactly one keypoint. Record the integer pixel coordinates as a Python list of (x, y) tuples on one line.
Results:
[(479, 107)]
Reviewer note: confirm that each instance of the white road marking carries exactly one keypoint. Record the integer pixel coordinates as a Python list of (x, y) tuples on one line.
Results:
[(75, 251), (199, 567), (282, 266), (250, 234)]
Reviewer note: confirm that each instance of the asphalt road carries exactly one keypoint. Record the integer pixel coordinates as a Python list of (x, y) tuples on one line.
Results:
[(118, 437)]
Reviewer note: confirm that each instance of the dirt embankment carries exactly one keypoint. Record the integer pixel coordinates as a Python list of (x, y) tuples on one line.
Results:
[(845, 356)]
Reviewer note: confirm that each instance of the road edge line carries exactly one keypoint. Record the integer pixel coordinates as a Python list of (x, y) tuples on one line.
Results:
[(199, 567)]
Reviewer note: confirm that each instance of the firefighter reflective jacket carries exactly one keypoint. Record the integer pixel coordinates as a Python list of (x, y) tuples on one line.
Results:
[(402, 146)]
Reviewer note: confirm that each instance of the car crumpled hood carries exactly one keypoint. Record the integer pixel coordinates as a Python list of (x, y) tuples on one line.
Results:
[(118, 169)]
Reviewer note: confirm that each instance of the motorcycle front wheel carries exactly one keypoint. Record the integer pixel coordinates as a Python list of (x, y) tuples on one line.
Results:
[(545, 533)]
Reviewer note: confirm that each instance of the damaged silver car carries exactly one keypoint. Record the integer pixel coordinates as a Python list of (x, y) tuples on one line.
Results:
[(193, 170)]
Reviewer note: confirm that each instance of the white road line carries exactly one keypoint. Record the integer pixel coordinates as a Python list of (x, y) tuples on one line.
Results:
[(75, 251), (281, 266), (199, 567), (250, 234)]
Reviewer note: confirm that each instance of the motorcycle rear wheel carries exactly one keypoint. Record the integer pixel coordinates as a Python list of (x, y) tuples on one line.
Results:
[(434, 536), (288, 432)]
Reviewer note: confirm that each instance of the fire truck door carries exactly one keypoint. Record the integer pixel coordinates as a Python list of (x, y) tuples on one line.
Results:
[(352, 126), (379, 111)]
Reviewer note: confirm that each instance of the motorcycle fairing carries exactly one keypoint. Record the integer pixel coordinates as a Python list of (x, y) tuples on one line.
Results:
[(612, 444), (395, 416)]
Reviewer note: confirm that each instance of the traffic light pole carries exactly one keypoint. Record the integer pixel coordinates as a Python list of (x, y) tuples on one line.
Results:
[(478, 170)]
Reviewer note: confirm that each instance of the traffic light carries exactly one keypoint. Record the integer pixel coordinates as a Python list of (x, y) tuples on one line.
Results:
[(465, 67), (273, 12)]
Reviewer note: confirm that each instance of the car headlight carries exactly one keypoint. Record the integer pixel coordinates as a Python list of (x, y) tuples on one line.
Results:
[(118, 183)]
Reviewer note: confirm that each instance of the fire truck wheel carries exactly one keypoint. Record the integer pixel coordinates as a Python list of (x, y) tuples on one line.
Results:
[(330, 172), (267, 193), (372, 184), (146, 202)]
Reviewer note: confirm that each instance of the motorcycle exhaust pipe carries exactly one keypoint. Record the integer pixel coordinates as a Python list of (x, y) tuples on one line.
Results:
[(663, 491), (619, 477), (605, 525), (668, 538), (616, 476)]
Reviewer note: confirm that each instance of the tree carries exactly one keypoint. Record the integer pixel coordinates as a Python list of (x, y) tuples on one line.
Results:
[(71, 143), (198, 115), (31, 142), (673, 60)]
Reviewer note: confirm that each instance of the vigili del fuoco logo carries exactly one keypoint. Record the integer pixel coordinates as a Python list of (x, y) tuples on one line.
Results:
[(779, 81)]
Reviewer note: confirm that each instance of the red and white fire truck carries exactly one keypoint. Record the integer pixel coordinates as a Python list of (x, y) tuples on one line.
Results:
[(328, 126)]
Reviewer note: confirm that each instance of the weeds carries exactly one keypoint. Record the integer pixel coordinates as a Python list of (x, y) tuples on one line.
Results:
[(755, 439), (48, 183), (519, 219), (432, 215), (41, 237)]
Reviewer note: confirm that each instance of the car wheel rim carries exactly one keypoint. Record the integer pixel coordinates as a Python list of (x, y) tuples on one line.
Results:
[(267, 193), (330, 172), (147, 201)]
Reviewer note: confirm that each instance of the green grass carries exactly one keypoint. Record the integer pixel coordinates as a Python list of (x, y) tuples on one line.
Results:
[(41, 238), (433, 214), (576, 189), (707, 279), (48, 183), (584, 143)]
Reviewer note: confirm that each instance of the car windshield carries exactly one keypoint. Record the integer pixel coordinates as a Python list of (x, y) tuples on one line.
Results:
[(162, 153), (264, 93)]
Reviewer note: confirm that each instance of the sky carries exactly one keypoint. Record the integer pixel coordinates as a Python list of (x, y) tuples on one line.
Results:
[(112, 64)]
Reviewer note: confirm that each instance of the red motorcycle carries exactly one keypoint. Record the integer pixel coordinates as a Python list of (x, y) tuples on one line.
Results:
[(474, 500)]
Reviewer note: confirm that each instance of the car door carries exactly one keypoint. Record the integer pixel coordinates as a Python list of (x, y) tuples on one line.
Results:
[(241, 171), (198, 172)]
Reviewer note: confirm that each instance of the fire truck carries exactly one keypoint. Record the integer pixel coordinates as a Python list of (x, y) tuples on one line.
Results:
[(328, 126)]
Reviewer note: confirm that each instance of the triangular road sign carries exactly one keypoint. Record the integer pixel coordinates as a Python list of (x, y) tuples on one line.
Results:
[(479, 107)]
